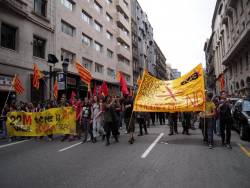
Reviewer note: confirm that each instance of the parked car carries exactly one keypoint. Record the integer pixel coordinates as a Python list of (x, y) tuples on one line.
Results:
[(241, 114)]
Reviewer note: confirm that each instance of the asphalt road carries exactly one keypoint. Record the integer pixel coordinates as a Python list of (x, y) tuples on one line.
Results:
[(174, 162)]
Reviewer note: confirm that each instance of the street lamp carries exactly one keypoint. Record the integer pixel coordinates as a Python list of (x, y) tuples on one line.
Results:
[(52, 60), (65, 65)]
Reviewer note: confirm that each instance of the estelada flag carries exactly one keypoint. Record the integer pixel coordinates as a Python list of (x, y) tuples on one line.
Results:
[(17, 84), (37, 76), (55, 89), (118, 76), (184, 94), (84, 73)]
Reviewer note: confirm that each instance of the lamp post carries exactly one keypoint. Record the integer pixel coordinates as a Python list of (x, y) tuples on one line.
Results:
[(52, 60), (65, 65)]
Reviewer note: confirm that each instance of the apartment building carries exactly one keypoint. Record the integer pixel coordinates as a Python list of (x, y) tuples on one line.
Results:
[(27, 37), (98, 34), (228, 48), (161, 67), (143, 42), (95, 32)]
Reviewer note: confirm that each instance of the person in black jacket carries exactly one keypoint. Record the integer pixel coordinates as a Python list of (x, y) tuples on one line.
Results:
[(225, 120)]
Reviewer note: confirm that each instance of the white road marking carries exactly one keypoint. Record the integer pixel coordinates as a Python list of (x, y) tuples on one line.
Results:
[(14, 143), (74, 145), (144, 155)]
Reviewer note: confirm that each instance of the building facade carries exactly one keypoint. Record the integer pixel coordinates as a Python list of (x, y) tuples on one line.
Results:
[(175, 74), (27, 36), (95, 32), (229, 49), (98, 33), (161, 67), (144, 42)]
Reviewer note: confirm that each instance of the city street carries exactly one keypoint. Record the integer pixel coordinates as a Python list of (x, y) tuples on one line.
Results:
[(176, 161)]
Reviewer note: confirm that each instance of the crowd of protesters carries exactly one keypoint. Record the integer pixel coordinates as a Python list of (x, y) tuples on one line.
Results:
[(103, 117), (96, 117)]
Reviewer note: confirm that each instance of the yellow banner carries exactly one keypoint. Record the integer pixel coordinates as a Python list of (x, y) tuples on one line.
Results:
[(52, 121), (184, 94)]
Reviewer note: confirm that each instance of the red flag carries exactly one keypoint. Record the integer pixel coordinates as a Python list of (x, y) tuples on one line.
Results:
[(17, 84), (84, 73), (123, 84), (222, 83), (55, 89), (72, 97), (104, 89)]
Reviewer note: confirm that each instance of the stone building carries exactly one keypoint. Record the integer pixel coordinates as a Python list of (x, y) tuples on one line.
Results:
[(27, 31), (95, 32), (144, 42), (161, 67), (98, 33), (228, 48)]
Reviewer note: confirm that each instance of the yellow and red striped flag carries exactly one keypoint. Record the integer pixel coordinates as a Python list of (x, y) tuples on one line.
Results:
[(37, 76), (118, 76), (55, 89), (84, 73), (17, 84)]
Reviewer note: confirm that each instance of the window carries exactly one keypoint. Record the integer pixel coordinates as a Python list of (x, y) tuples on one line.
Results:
[(247, 61), (97, 26), (8, 36), (97, 7), (109, 2), (127, 77), (110, 53), (111, 73), (123, 60), (86, 40), (87, 63), (109, 35), (125, 2), (67, 55), (109, 18), (40, 7), (67, 29), (98, 68), (98, 47), (86, 17), (68, 4), (38, 47)]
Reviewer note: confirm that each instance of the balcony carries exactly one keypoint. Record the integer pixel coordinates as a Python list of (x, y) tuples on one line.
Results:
[(121, 51), (123, 37), (18, 6), (122, 21), (121, 5)]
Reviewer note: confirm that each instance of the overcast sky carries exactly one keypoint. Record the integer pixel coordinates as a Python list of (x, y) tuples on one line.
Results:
[(181, 28)]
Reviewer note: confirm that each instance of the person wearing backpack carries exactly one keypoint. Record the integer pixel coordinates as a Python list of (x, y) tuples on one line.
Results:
[(225, 121)]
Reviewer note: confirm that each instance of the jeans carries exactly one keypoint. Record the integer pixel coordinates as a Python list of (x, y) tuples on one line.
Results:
[(87, 129), (218, 126), (142, 124), (225, 125), (207, 129), (210, 130), (96, 127)]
